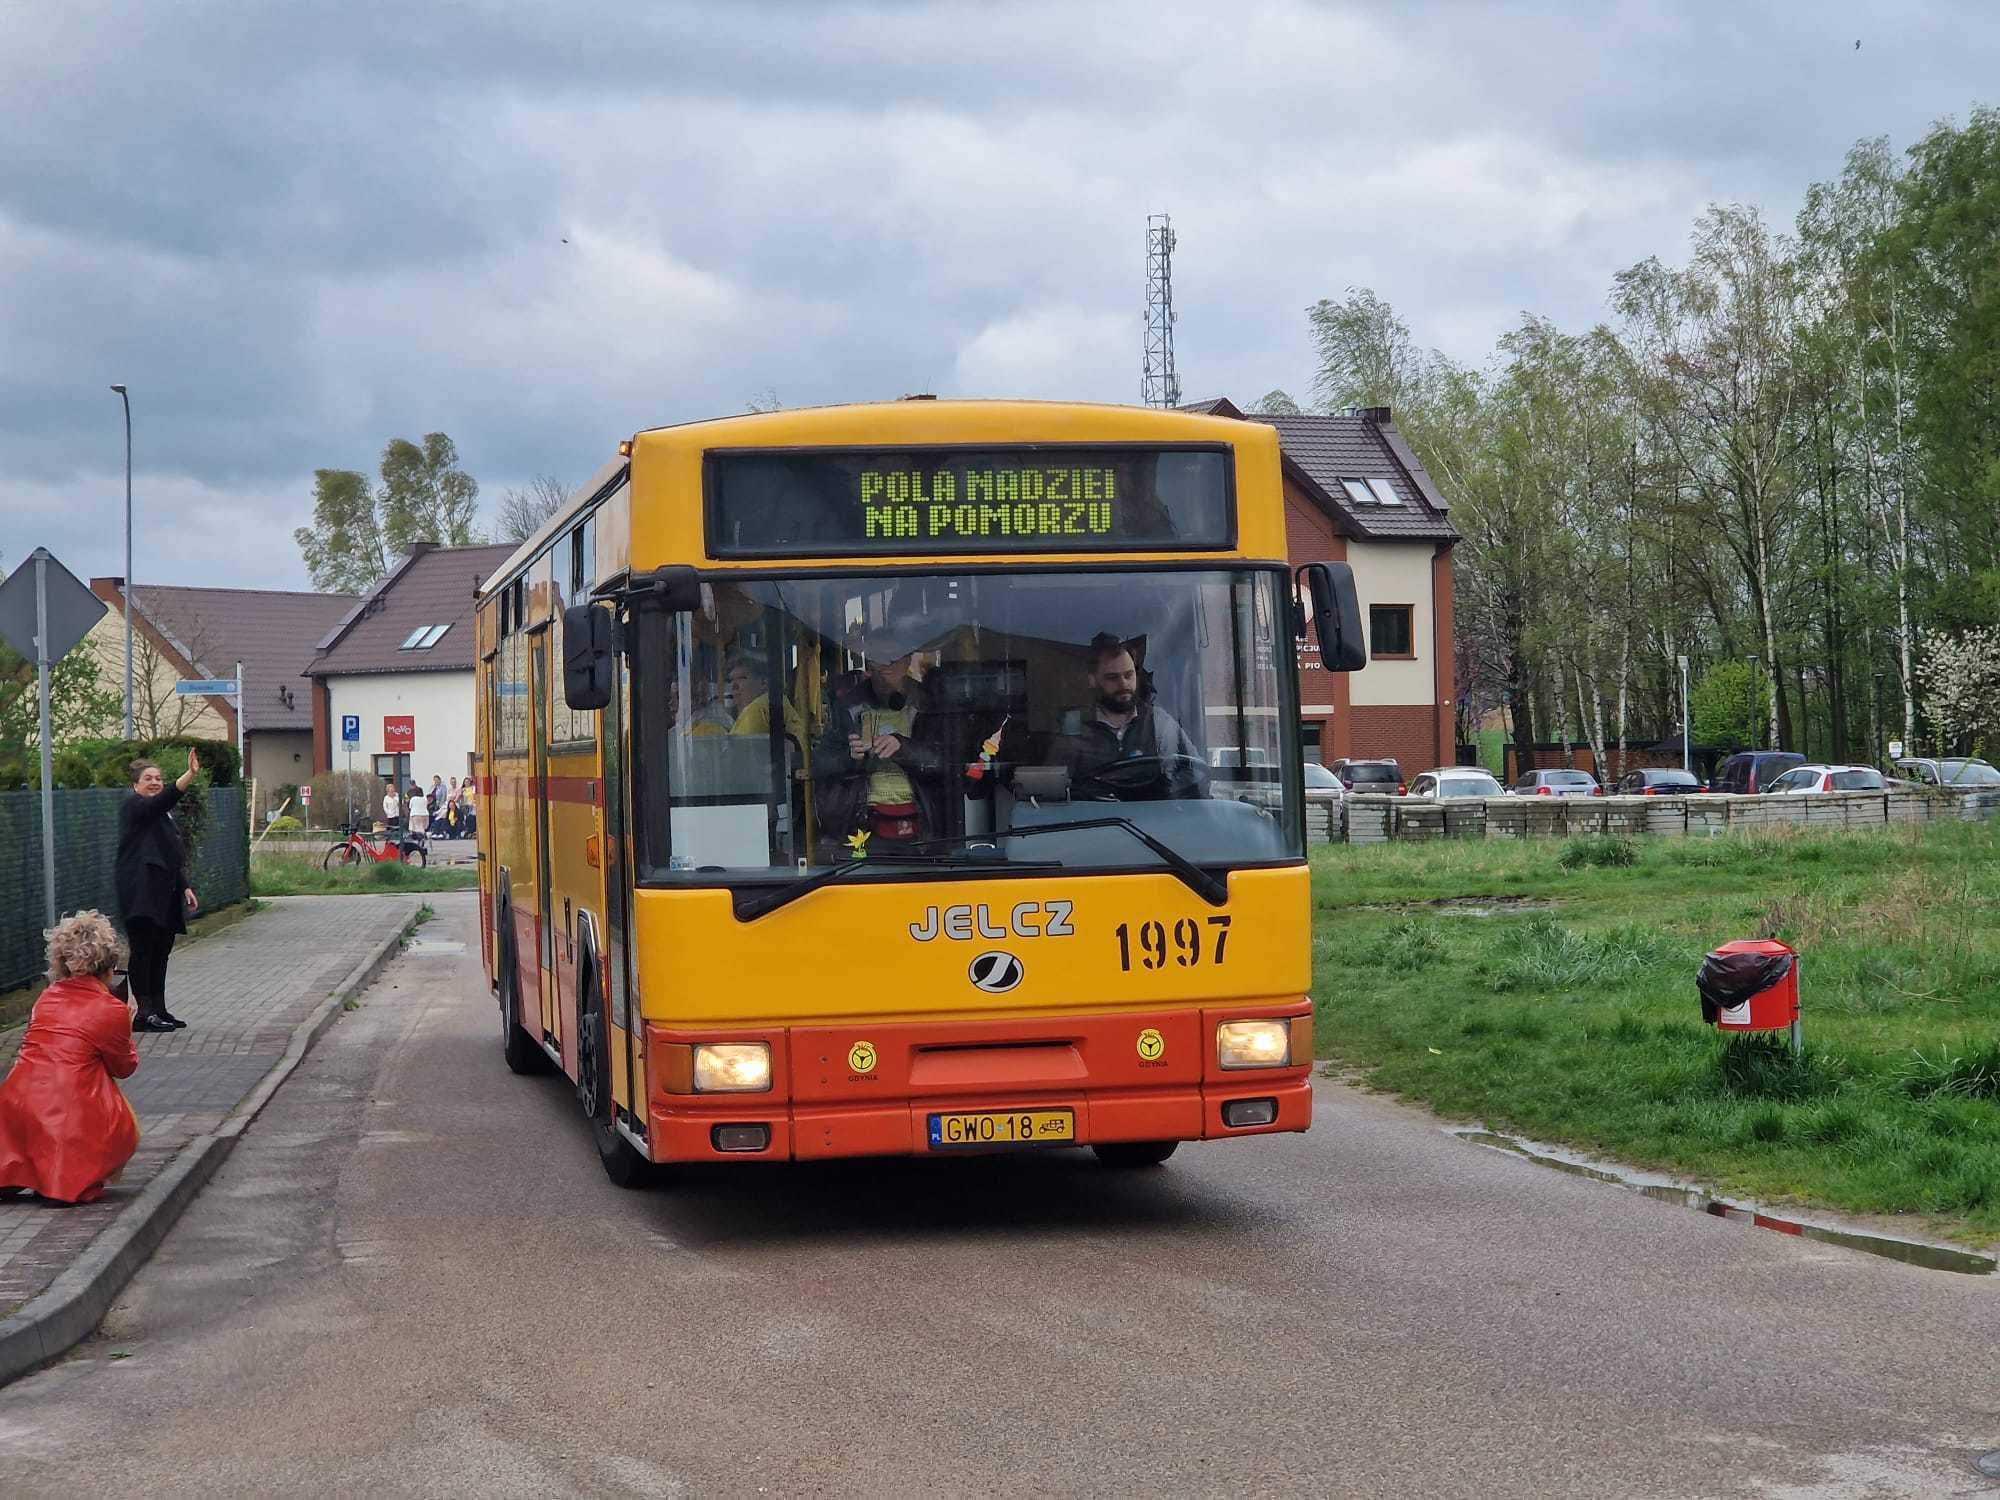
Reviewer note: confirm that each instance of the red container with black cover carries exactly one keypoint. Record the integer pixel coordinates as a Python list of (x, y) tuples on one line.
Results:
[(1750, 985)]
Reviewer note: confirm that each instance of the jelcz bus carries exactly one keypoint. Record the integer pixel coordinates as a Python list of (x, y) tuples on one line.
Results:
[(907, 778)]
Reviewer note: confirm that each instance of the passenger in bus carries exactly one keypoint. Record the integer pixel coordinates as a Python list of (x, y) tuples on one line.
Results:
[(877, 771), (750, 690), (1124, 727)]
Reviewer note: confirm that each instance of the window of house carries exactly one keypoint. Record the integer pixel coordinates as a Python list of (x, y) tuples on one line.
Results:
[(423, 637), (1370, 492), (1389, 630)]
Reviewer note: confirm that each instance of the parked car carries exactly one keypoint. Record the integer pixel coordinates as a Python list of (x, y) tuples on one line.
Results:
[(1383, 776), (1659, 782), (1751, 771), (1456, 781), (1557, 784), (1954, 770), (1801, 780), (1322, 785)]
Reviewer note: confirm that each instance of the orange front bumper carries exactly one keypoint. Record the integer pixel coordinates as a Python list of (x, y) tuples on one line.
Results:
[(862, 1089)]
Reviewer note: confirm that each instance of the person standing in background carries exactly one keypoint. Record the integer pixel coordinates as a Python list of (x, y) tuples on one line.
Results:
[(392, 810), (154, 898), (419, 810), (434, 800)]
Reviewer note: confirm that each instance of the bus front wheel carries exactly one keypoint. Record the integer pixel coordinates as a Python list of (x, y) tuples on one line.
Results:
[(623, 1163), (1134, 1153)]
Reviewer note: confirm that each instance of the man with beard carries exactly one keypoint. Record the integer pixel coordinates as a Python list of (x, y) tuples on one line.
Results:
[(1122, 728)]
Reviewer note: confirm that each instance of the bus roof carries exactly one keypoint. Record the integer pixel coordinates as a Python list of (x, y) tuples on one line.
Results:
[(911, 420)]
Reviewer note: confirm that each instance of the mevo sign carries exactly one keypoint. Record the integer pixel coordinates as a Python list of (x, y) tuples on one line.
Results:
[(399, 734)]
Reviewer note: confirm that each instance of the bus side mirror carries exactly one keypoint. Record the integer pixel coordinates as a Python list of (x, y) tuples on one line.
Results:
[(587, 648), (1337, 616)]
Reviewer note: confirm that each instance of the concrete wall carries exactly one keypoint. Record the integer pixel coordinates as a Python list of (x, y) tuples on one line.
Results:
[(440, 702), (1375, 820), (86, 823)]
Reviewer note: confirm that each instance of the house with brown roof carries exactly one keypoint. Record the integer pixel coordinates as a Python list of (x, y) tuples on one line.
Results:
[(400, 662), (181, 633), (1356, 493)]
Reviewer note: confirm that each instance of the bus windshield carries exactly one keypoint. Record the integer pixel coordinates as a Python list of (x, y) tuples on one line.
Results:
[(899, 721)]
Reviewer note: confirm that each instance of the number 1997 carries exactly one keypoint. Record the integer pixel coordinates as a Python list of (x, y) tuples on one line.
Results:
[(1156, 951)]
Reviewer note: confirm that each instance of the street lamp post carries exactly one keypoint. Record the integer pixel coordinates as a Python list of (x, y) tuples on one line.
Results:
[(127, 400)]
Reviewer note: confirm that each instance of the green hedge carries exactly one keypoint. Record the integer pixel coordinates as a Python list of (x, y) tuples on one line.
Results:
[(88, 763)]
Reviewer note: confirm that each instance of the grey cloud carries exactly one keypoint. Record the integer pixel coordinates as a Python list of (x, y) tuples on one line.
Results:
[(299, 230)]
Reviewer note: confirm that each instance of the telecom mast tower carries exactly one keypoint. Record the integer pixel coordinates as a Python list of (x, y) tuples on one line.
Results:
[(1158, 384)]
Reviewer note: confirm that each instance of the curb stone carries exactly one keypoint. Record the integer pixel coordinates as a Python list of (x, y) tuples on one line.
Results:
[(64, 1314)]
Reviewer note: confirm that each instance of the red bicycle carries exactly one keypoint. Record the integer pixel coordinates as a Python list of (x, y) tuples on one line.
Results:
[(377, 848)]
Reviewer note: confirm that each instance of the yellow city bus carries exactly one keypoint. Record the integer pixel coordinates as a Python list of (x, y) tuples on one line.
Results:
[(907, 778)]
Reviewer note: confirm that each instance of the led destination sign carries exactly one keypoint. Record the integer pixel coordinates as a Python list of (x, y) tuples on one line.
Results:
[(847, 502)]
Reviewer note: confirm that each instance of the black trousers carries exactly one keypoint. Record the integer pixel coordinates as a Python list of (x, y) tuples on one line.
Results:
[(151, 943)]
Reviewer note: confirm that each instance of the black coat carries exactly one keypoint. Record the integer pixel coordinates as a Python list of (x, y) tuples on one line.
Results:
[(151, 874), (840, 782)]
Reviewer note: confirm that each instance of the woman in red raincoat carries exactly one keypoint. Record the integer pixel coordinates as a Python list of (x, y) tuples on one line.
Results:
[(65, 1128)]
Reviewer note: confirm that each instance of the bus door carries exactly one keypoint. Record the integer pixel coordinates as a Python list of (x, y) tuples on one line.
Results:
[(621, 1001), (538, 744)]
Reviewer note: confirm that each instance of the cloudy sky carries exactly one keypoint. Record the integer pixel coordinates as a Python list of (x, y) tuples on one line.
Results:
[(298, 230)]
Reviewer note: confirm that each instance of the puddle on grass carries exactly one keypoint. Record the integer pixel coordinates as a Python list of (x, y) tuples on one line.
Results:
[(1461, 906), (1664, 1190)]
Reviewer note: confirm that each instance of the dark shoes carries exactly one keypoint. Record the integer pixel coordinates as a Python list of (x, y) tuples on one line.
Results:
[(172, 1020), (153, 1022)]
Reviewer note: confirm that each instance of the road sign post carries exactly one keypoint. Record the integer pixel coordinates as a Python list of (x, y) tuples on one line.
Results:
[(350, 736), (44, 612)]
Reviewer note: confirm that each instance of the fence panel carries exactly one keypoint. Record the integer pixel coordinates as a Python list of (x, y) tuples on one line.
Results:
[(86, 827)]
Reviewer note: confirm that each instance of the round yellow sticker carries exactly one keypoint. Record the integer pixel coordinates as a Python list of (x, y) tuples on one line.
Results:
[(861, 1057), (1151, 1044)]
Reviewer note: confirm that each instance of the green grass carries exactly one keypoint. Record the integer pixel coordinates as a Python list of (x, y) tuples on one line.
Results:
[(281, 874), (1548, 989)]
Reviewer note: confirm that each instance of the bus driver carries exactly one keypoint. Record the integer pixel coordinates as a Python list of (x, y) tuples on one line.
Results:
[(1121, 727)]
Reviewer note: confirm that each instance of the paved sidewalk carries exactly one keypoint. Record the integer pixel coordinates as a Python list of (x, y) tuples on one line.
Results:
[(242, 993)]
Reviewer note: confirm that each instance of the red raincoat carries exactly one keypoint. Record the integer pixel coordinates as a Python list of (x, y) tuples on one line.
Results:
[(65, 1127)]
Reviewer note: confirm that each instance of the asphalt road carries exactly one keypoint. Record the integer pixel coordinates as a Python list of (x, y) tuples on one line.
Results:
[(412, 1279)]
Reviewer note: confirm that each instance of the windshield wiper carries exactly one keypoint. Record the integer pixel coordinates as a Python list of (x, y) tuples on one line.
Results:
[(1193, 876), (769, 901)]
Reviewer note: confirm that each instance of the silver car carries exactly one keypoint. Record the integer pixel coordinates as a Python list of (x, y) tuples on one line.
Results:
[(1456, 781), (1949, 771), (1557, 784)]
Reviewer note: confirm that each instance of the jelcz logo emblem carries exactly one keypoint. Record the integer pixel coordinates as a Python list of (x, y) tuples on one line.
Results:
[(995, 973)]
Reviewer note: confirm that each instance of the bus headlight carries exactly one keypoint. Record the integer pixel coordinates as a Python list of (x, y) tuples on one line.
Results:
[(732, 1067), (1253, 1044)]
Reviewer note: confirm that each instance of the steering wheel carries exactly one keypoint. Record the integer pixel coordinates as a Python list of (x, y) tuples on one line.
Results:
[(1145, 776)]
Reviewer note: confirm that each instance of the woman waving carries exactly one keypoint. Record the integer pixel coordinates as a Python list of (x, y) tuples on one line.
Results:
[(154, 898)]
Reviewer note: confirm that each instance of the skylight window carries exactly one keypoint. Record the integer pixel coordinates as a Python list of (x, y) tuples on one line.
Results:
[(423, 638), (1372, 493)]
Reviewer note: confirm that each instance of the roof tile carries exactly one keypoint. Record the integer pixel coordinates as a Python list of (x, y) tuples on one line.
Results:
[(432, 586), (271, 631)]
